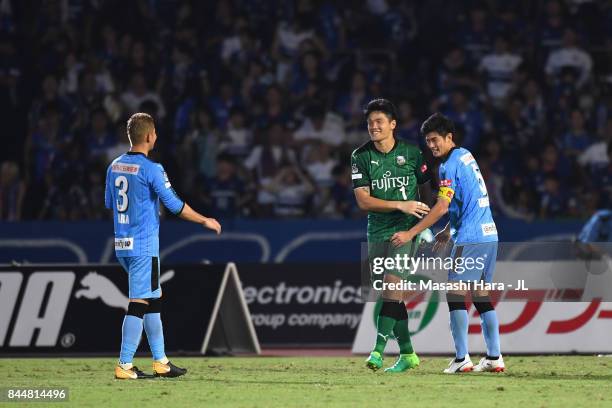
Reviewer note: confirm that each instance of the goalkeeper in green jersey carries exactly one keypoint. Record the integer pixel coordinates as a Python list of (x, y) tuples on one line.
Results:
[(386, 174)]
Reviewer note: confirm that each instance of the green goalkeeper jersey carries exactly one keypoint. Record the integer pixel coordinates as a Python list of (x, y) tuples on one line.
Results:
[(392, 176)]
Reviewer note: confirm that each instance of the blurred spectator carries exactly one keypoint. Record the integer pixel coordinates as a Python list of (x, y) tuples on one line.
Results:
[(138, 93), (475, 37), (342, 197), (595, 157), (45, 142), (499, 68), (99, 139), (222, 104), (292, 191), (289, 36), (320, 125), (554, 198), (319, 165), (514, 130), (238, 136), (12, 191), (550, 29), (351, 104), (604, 177), (455, 71), (467, 117), (577, 139), (408, 128), (533, 110), (281, 85), (266, 161), (571, 56), (225, 194)]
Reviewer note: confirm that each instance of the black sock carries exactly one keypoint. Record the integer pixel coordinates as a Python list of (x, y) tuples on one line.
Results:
[(492, 358), (459, 360)]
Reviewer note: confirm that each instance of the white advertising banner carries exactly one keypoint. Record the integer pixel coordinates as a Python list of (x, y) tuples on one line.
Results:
[(532, 322)]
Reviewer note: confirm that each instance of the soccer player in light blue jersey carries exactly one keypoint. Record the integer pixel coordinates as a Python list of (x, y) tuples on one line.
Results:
[(462, 194), (134, 186)]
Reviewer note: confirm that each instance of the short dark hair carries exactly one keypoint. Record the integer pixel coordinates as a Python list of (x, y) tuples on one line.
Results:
[(138, 125), (439, 124), (381, 105)]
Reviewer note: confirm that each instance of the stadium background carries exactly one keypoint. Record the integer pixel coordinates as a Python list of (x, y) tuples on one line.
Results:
[(258, 105)]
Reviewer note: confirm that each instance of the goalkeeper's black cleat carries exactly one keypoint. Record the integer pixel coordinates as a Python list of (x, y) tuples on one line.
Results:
[(131, 374), (167, 370)]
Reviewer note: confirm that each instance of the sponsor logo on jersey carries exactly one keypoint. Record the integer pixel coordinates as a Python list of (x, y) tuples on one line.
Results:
[(356, 176), (124, 244), (483, 202), (125, 168), (388, 182), (423, 168), (400, 160), (354, 168), (445, 183), (488, 229), (374, 162), (467, 158)]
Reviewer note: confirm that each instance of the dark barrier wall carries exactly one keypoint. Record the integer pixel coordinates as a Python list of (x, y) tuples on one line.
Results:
[(53, 309), (303, 304), (242, 240), (80, 308)]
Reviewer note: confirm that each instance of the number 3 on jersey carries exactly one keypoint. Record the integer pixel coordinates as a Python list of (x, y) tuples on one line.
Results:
[(121, 182)]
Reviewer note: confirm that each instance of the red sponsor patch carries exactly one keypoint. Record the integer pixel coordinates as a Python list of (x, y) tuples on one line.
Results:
[(449, 194), (423, 168), (445, 183)]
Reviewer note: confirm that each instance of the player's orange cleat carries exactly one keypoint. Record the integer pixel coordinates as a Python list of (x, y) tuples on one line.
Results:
[(167, 370), (130, 374)]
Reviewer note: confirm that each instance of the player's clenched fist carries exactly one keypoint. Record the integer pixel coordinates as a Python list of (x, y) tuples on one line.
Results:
[(416, 208), (402, 237), (212, 224)]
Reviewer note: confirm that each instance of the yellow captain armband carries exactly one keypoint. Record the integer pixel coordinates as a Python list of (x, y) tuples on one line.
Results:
[(446, 193)]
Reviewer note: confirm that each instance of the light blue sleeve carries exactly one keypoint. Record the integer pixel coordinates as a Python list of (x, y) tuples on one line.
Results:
[(158, 180), (108, 198), (590, 229), (448, 175)]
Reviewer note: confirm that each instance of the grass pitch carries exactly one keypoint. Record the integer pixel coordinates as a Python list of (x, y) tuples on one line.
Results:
[(530, 381)]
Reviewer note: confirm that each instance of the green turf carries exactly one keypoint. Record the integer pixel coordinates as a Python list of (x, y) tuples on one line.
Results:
[(556, 381)]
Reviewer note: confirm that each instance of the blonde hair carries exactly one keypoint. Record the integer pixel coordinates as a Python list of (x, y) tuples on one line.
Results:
[(138, 125)]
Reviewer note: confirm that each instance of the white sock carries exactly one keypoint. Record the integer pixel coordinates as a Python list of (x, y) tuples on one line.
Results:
[(163, 360), (126, 366)]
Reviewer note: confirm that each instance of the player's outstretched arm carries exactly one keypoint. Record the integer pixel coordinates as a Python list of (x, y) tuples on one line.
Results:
[(368, 203), (189, 214), (438, 210)]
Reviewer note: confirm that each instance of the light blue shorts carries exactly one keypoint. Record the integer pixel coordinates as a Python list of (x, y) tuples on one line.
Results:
[(143, 276), (473, 262)]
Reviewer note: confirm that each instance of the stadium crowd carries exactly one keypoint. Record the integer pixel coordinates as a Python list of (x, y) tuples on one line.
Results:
[(258, 103)]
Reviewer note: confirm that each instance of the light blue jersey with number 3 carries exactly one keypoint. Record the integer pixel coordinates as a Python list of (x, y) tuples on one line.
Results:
[(462, 184), (134, 186)]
